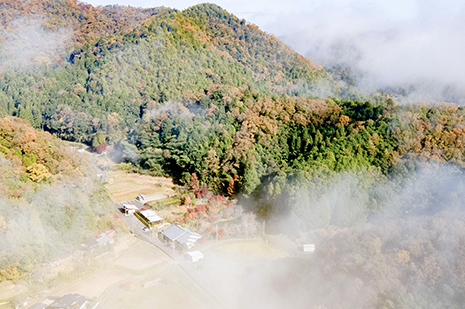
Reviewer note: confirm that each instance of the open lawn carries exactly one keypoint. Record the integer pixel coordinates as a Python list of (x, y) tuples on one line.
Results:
[(127, 186), (176, 291), (96, 284), (255, 249), (141, 256)]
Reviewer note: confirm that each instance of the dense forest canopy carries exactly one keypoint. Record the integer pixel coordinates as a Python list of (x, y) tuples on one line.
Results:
[(92, 68), (203, 91)]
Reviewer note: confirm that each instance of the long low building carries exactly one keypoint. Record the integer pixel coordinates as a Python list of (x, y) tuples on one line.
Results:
[(151, 217), (179, 237)]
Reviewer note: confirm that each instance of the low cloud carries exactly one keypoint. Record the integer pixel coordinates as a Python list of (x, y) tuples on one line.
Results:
[(413, 45), (391, 44), (30, 42)]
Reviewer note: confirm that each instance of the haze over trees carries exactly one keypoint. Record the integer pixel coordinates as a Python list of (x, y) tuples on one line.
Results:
[(50, 200), (209, 99)]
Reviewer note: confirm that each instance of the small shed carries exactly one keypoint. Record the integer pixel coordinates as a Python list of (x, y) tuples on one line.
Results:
[(194, 256), (309, 248)]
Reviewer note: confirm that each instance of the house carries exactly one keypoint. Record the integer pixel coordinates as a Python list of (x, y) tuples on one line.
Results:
[(103, 239), (90, 244), (194, 256), (150, 217), (71, 301), (179, 237), (106, 238)]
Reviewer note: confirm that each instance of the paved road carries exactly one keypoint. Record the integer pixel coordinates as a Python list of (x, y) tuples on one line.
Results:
[(135, 226)]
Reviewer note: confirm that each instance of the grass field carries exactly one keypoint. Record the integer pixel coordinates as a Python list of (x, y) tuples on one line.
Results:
[(124, 186), (166, 202), (96, 284), (250, 249), (176, 291), (141, 256)]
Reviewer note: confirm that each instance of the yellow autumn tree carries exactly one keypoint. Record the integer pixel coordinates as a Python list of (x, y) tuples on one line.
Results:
[(38, 172)]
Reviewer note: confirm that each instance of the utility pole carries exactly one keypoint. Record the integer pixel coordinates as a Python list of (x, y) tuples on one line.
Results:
[(263, 228)]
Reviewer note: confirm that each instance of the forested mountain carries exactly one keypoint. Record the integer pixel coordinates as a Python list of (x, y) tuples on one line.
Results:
[(86, 21), (200, 90), (163, 80), (203, 91), (107, 83)]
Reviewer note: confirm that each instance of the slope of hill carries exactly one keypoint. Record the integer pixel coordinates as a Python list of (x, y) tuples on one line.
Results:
[(131, 60), (85, 21), (49, 198)]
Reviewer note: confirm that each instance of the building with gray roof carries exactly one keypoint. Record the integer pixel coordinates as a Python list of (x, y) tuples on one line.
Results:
[(71, 301), (179, 237)]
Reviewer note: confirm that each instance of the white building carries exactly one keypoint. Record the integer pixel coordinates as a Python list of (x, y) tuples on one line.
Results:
[(129, 209), (194, 256), (309, 248)]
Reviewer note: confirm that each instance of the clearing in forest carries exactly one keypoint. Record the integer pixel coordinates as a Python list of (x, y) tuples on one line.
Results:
[(127, 186), (255, 249)]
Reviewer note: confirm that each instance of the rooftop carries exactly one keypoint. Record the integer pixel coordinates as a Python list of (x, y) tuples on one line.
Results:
[(151, 216), (194, 254), (90, 243), (182, 235), (69, 300)]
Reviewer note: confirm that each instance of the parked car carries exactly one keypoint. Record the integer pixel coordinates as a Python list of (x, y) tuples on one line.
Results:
[(141, 197), (146, 229)]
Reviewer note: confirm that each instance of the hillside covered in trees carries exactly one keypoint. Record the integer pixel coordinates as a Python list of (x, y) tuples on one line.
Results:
[(202, 92), (50, 200), (82, 72)]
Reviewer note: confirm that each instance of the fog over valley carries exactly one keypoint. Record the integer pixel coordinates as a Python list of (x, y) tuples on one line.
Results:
[(307, 154)]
